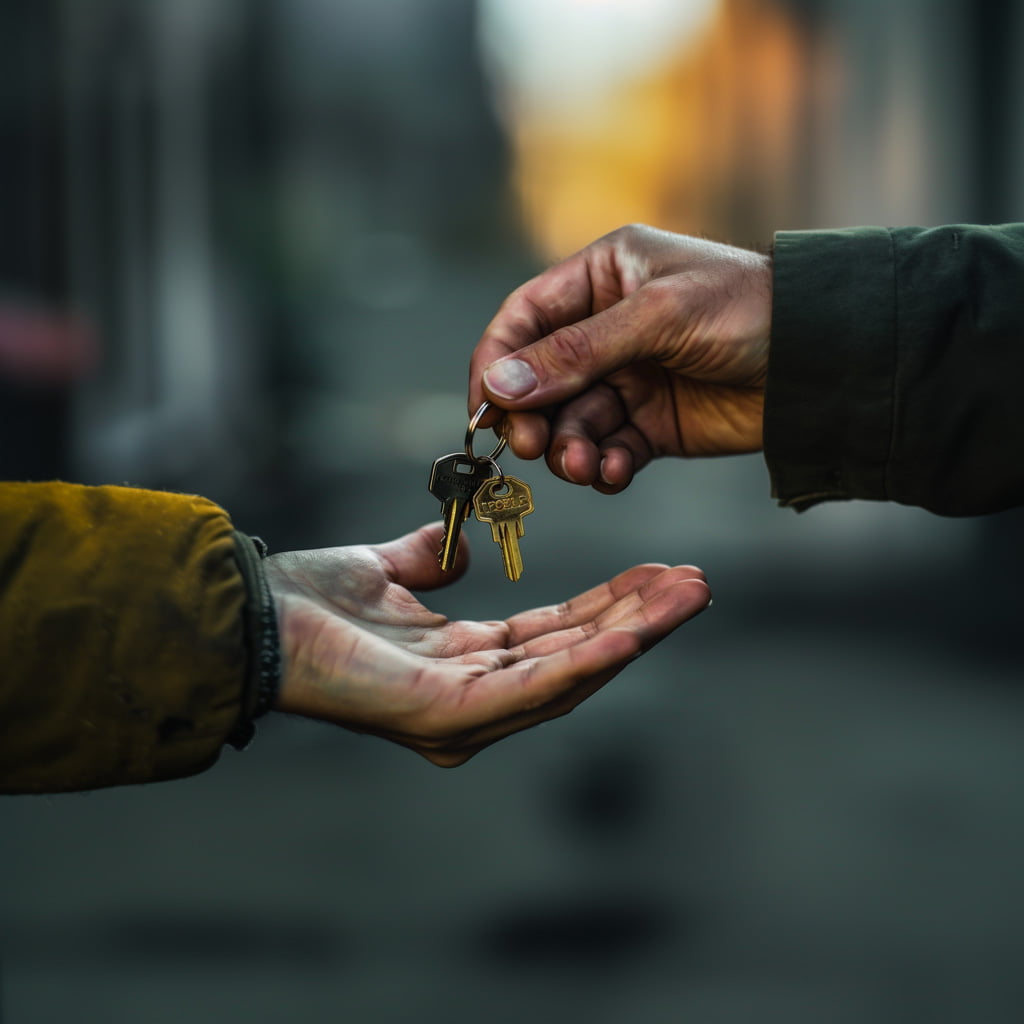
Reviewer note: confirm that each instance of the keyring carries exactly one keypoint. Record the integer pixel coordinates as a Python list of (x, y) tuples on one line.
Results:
[(498, 471), (471, 430)]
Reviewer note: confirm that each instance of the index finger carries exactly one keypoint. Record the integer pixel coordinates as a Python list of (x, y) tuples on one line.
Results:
[(555, 298)]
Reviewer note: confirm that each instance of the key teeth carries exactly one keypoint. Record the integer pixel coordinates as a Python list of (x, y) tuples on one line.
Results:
[(446, 563)]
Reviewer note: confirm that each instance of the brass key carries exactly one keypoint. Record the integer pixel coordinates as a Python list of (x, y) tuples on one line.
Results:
[(454, 480), (502, 501)]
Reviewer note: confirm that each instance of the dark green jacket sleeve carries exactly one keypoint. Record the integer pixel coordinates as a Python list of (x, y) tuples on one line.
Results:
[(895, 371), (122, 636)]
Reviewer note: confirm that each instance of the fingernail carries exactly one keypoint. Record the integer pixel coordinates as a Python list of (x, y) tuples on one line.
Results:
[(562, 462), (510, 378), (604, 475)]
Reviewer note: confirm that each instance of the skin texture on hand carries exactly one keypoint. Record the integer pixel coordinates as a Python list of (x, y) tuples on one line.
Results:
[(643, 344), (361, 651)]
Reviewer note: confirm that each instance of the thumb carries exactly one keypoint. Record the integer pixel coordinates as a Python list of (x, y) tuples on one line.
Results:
[(567, 361), (411, 561)]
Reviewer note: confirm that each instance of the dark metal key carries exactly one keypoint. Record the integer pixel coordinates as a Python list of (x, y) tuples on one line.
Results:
[(454, 480)]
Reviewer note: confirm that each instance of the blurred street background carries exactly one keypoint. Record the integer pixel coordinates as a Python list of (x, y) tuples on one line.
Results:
[(246, 248)]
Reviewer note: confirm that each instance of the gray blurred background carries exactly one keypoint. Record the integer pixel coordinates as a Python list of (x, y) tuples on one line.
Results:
[(246, 247)]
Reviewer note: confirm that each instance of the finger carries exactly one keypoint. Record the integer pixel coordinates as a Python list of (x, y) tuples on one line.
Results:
[(617, 469), (526, 625), (624, 613), (587, 606), (587, 436), (549, 684), (532, 691), (559, 296), (623, 455), (666, 601), (492, 705), (673, 606), (528, 434), (411, 561), (577, 430), (571, 358)]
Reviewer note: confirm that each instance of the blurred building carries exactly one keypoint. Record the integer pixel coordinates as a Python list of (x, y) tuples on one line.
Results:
[(739, 117)]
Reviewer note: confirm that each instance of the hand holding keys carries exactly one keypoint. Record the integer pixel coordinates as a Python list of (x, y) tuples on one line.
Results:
[(499, 500)]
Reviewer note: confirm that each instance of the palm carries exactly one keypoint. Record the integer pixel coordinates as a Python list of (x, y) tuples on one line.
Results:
[(679, 415), (360, 650)]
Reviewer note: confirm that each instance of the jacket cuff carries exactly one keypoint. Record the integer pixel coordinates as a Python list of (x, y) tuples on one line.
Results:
[(894, 368), (829, 391), (263, 672)]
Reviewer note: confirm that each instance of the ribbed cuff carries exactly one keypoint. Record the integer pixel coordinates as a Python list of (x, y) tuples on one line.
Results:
[(263, 671)]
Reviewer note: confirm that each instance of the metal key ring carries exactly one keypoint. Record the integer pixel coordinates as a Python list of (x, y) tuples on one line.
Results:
[(498, 471), (471, 430)]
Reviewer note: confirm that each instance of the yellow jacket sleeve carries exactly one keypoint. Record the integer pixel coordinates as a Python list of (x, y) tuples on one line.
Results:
[(122, 638)]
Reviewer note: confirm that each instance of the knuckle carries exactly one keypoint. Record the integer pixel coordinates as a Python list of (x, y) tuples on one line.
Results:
[(670, 291), (534, 315), (630, 232), (571, 348), (564, 614)]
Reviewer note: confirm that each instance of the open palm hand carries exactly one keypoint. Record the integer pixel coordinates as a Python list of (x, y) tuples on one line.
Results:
[(361, 651)]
